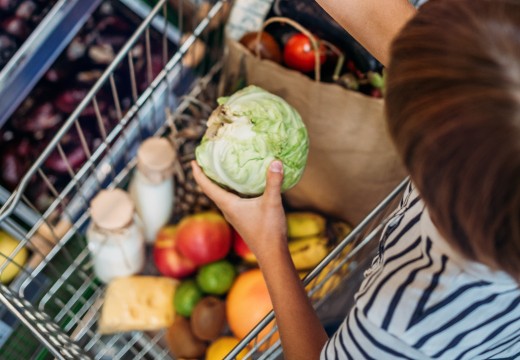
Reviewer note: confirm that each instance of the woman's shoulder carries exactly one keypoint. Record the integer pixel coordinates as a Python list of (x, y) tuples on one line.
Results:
[(420, 290)]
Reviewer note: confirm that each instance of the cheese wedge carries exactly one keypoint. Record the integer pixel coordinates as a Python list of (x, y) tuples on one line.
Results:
[(137, 303)]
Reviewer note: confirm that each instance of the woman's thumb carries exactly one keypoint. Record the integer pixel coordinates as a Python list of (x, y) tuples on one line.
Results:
[(273, 186)]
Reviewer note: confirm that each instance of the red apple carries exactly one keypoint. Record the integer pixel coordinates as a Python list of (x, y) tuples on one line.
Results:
[(167, 259), (204, 237), (241, 249)]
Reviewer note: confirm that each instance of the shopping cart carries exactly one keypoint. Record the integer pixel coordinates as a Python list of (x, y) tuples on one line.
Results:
[(56, 298)]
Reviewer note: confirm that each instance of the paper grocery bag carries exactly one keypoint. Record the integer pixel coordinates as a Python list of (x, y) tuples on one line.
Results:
[(352, 163)]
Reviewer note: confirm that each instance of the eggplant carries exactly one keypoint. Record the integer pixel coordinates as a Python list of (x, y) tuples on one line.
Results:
[(113, 24), (74, 152), (68, 100), (16, 27), (26, 9), (90, 111), (15, 161), (76, 157), (8, 5), (157, 67), (39, 193), (16, 156), (42, 118)]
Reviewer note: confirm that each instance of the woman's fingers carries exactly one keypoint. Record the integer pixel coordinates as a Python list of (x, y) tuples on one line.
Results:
[(224, 199), (220, 196), (273, 186)]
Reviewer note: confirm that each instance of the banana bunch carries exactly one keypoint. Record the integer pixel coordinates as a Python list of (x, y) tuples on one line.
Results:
[(308, 244), (304, 224), (324, 284), (308, 239)]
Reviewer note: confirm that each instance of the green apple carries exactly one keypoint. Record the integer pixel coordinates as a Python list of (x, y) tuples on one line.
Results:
[(7, 246)]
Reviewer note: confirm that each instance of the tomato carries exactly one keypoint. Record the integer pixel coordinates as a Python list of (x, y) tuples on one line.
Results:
[(299, 55)]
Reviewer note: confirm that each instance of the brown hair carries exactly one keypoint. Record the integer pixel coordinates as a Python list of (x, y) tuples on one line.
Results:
[(453, 109)]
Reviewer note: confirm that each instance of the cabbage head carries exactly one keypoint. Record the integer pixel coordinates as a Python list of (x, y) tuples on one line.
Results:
[(245, 133)]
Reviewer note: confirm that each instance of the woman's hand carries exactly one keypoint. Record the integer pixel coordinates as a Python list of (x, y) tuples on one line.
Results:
[(260, 221)]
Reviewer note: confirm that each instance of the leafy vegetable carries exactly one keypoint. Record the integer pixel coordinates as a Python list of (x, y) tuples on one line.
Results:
[(246, 132)]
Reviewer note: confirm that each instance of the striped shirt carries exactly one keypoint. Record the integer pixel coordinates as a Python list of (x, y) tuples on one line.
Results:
[(422, 300)]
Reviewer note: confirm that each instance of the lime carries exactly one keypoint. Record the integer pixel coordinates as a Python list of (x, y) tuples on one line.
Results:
[(186, 297), (216, 278), (223, 346)]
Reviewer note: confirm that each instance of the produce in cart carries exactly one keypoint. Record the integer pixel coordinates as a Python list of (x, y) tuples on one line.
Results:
[(249, 302), (222, 347), (182, 342), (208, 318), (168, 260), (204, 237)]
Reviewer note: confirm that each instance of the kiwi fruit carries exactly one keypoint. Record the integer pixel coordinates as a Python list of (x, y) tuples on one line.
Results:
[(208, 318), (182, 342)]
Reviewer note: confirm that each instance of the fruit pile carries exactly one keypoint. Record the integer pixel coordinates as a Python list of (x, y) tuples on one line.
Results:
[(222, 295)]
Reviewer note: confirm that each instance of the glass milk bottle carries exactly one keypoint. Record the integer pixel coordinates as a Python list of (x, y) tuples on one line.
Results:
[(115, 238), (152, 185)]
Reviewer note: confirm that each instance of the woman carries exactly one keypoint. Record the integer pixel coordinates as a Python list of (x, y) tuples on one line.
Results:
[(445, 283)]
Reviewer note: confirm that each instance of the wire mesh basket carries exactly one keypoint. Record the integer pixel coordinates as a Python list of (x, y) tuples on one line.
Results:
[(163, 82)]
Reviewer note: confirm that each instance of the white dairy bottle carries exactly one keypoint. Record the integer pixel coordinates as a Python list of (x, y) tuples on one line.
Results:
[(152, 185), (115, 238)]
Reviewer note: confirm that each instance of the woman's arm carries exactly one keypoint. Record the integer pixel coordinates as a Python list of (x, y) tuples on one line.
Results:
[(374, 23), (261, 223), (301, 331)]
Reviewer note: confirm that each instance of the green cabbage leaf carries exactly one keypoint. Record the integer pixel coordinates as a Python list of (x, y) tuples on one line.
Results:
[(245, 133)]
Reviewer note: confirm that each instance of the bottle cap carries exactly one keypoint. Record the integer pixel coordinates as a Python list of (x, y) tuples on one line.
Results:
[(155, 159), (112, 209)]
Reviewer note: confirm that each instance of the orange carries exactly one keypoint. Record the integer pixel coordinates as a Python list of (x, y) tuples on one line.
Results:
[(222, 346), (247, 303)]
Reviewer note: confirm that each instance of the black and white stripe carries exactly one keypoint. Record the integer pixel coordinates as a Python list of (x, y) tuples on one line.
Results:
[(422, 300)]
